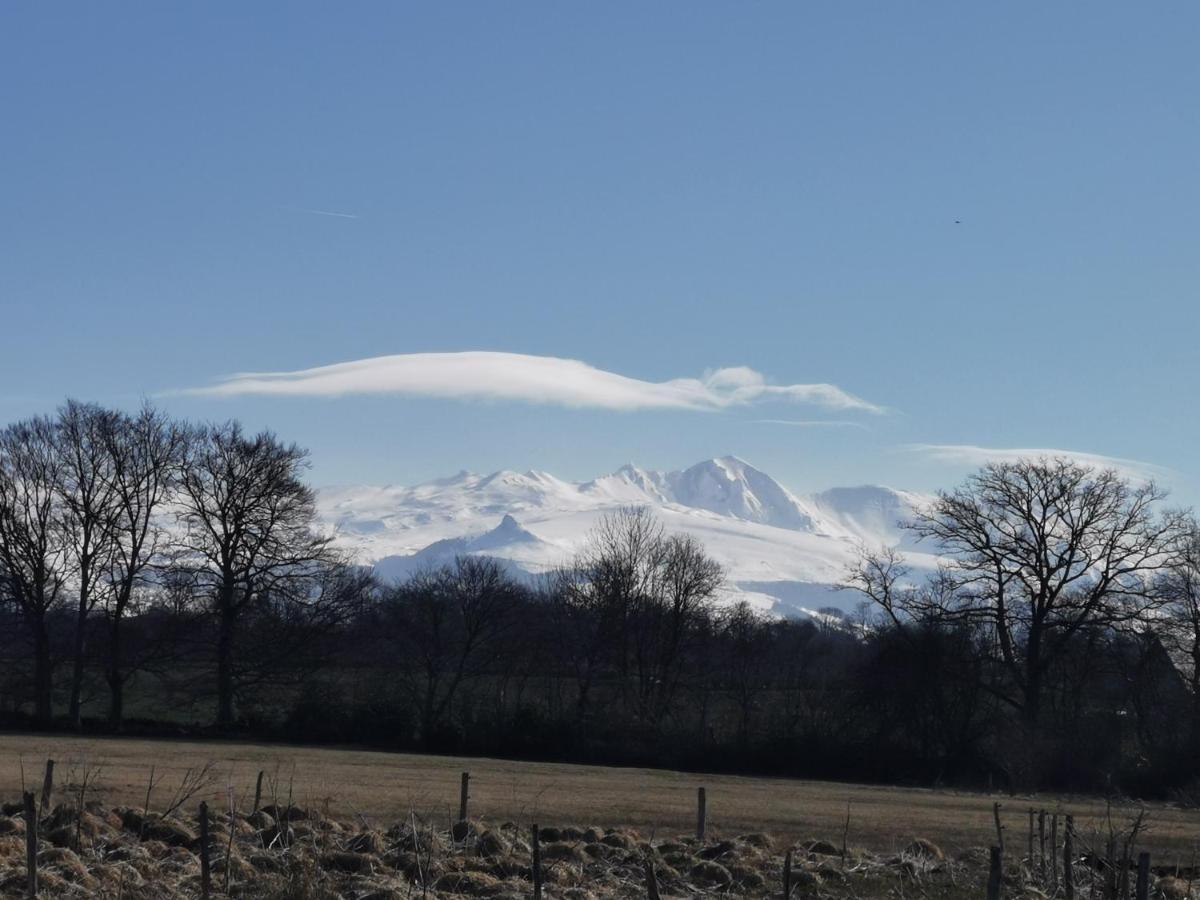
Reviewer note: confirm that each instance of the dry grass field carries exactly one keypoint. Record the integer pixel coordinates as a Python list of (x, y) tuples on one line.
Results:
[(383, 788)]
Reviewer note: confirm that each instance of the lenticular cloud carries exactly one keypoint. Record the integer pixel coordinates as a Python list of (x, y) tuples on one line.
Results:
[(974, 456), (483, 375)]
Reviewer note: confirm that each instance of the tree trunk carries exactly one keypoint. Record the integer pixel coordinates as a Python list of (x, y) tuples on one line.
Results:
[(74, 711), (225, 666), (116, 699), (112, 674), (1033, 678), (43, 685), (427, 718), (1033, 701), (1031, 715)]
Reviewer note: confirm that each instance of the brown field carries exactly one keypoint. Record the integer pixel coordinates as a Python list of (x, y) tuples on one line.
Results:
[(384, 787)]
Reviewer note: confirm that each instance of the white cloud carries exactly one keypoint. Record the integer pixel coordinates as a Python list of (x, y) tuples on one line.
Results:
[(813, 423), (971, 455), (533, 379)]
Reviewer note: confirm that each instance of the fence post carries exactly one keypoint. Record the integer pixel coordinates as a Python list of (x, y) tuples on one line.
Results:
[(993, 883), (651, 879), (537, 864), (1069, 860), (48, 786), (1110, 883), (999, 827), (463, 794), (1123, 882), (701, 813), (1042, 845), (1143, 876), (1054, 853), (1031, 840), (787, 875), (258, 792), (205, 871), (31, 845)]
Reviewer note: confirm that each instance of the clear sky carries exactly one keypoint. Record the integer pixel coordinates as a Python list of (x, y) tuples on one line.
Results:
[(979, 222)]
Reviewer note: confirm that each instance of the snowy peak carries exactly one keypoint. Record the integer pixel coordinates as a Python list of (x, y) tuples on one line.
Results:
[(509, 531), (729, 486), (875, 514), (781, 551), (507, 541), (726, 486)]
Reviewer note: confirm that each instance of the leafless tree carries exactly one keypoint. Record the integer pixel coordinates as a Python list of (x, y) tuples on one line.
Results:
[(90, 509), (451, 622), (585, 631), (635, 594), (146, 453), (34, 552), (1179, 627), (683, 591), (1038, 550), (747, 663), (248, 532), (291, 630)]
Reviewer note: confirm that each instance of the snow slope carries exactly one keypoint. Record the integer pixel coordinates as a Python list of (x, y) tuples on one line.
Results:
[(782, 552)]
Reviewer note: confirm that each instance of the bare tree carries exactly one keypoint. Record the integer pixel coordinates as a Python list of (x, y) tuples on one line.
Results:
[(34, 554), (747, 662), (642, 592), (1180, 625), (684, 587), (90, 508), (146, 453), (1038, 551), (585, 631), (248, 532), (292, 630), (452, 623)]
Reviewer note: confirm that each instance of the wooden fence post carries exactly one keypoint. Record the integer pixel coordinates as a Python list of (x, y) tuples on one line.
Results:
[(993, 883), (1042, 845), (999, 827), (537, 864), (1031, 839), (1143, 876), (1123, 881), (205, 870), (1069, 860), (463, 794), (31, 845), (651, 879), (701, 813), (787, 875), (1054, 852), (258, 792), (48, 786), (1110, 883)]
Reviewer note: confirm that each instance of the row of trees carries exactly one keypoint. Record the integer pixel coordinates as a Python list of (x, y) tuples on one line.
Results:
[(180, 567), (107, 517)]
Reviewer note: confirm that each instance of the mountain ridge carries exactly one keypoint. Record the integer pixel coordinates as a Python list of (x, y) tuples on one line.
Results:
[(782, 551)]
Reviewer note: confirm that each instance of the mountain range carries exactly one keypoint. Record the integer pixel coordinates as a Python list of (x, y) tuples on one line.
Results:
[(783, 552)]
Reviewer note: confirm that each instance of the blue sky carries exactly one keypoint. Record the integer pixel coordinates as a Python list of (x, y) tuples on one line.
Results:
[(981, 217)]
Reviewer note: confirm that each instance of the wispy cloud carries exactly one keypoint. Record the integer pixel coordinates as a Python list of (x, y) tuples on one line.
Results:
[(971, 455), (320, 212), (485, 375), (812, 423)]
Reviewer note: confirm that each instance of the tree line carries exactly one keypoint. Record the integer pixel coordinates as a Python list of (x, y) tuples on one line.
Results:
[(156, 574)]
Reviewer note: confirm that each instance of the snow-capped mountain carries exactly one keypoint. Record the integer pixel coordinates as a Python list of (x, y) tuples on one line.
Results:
[(781, 551)]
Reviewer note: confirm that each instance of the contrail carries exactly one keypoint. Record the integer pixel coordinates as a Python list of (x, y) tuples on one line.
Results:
[(320, 212)]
